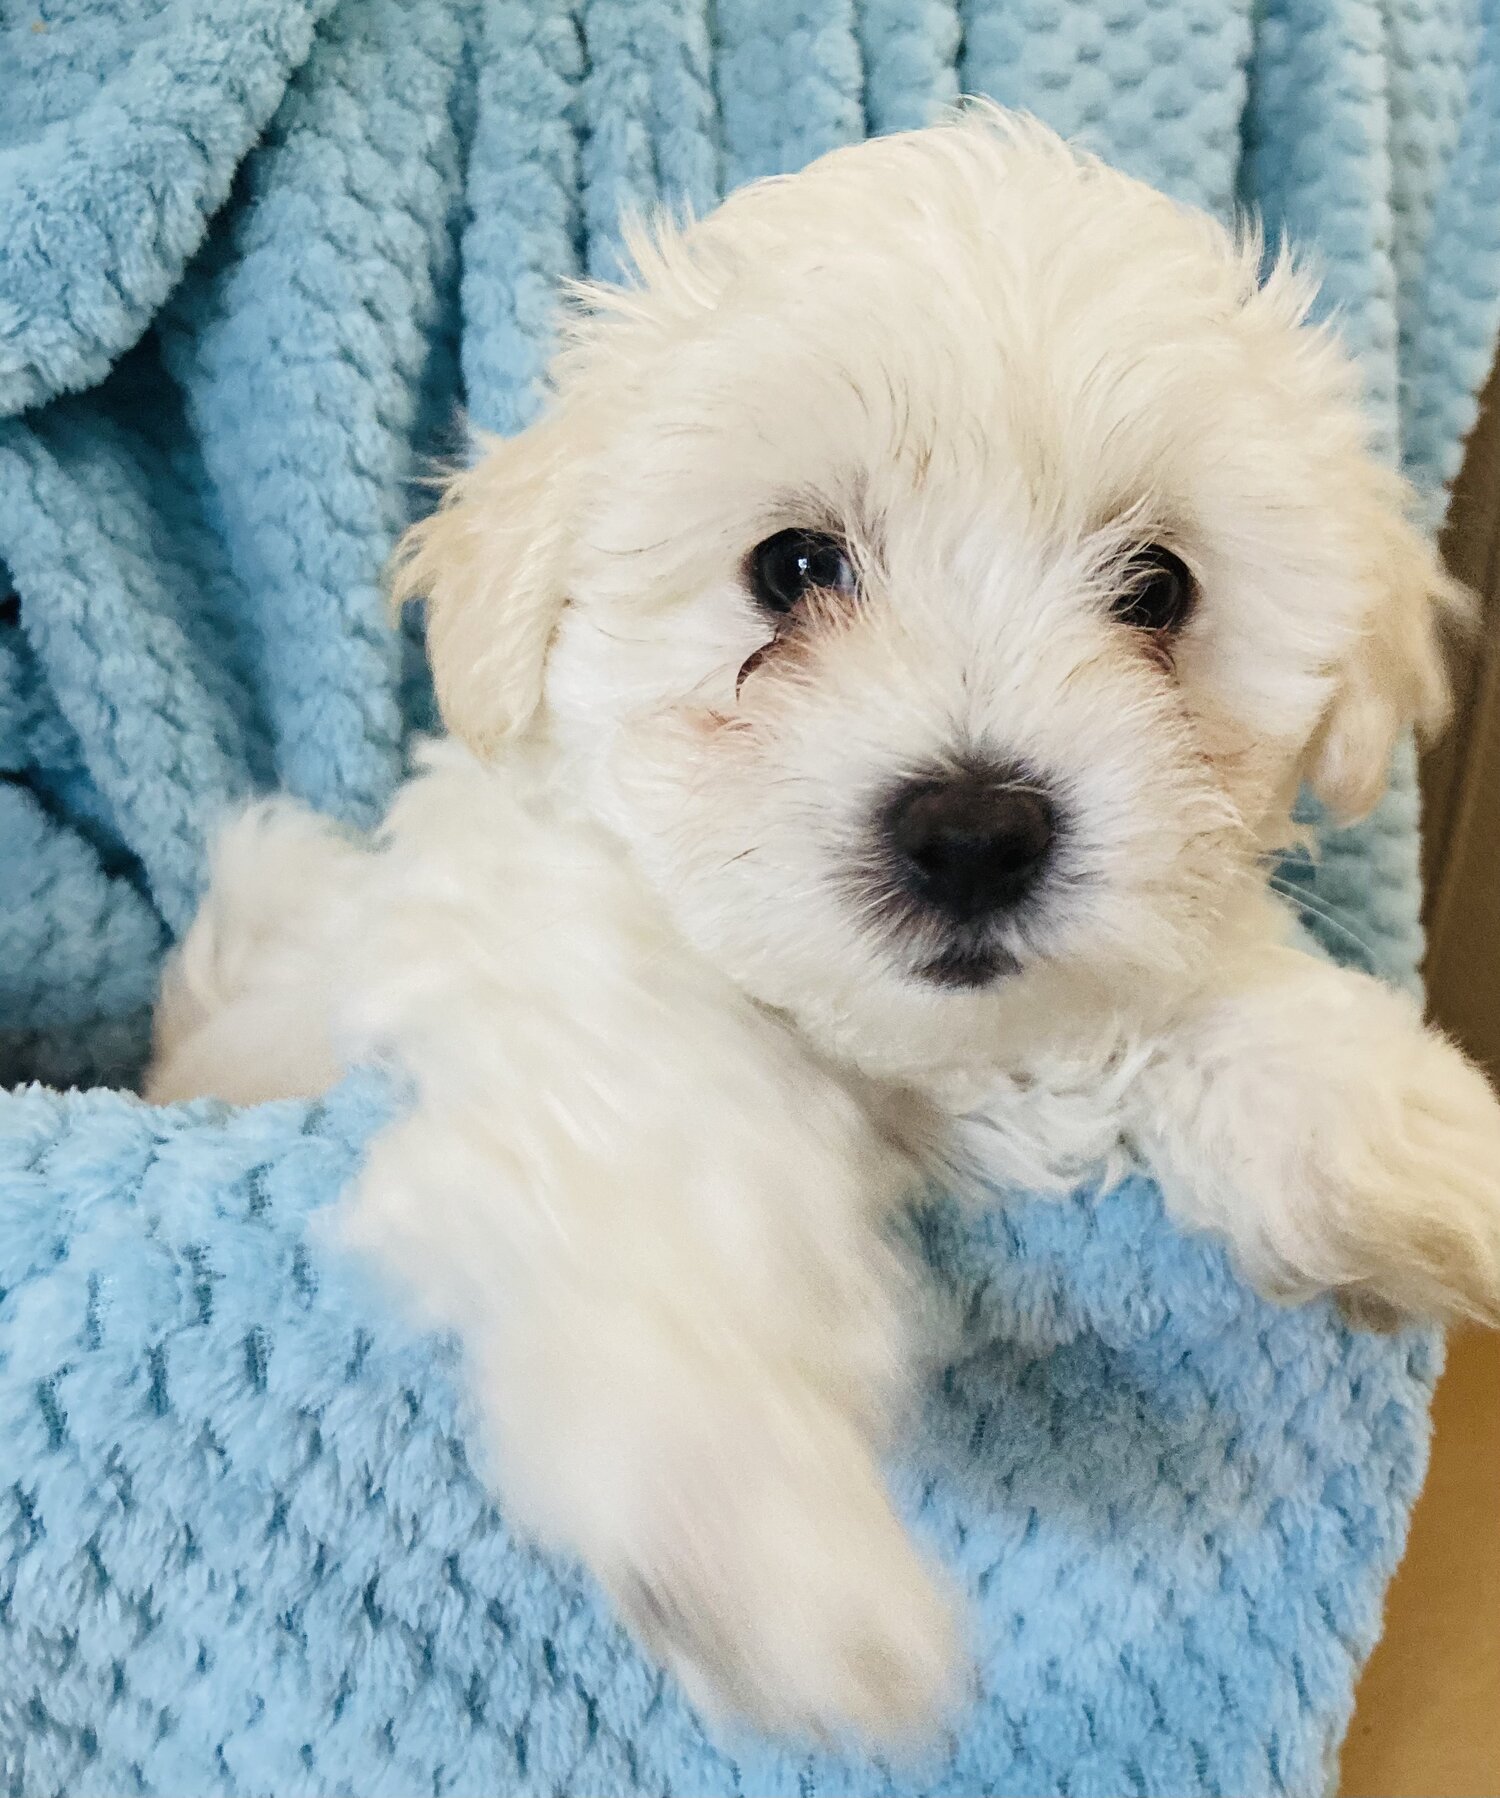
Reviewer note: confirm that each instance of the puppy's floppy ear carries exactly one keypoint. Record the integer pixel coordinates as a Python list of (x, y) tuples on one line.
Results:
[(489, 563), (1394, 675)]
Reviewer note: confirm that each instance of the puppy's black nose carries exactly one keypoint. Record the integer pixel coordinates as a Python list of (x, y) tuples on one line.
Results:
[(971, 842)]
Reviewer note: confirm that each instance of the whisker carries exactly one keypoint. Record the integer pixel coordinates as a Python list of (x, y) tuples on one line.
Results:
[(1304, 903)]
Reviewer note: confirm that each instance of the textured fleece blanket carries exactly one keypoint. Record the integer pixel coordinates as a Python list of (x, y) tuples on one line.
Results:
[(252, 254)]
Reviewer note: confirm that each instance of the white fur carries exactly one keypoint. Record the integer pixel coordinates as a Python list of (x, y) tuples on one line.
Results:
[(673, 1069)]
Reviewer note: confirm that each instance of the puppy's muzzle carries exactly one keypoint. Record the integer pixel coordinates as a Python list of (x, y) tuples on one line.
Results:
[(960, 851)]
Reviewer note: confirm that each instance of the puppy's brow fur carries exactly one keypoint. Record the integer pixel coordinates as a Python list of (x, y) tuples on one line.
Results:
[(640, 950)]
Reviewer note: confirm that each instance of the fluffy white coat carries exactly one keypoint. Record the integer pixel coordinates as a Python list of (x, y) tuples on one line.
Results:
[(675, 1063)]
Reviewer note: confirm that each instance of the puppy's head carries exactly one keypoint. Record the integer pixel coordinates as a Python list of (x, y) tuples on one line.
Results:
[(942, 566)]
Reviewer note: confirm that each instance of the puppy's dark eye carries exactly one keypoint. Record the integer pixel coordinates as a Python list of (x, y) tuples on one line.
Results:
[(1156, 592), (786, 567)]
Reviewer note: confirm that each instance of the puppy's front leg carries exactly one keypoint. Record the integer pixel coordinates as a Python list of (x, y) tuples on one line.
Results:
[(1305, 1112), (660, 1228), (687, 1339)]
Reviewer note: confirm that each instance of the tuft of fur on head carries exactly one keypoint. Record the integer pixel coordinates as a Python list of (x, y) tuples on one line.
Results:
[(992, 368)]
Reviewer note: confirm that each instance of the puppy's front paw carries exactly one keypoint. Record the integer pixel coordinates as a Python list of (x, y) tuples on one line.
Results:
[(1420, 1199), (794, 1600), (1308, 1115)]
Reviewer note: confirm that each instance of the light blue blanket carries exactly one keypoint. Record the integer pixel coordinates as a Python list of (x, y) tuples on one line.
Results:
[(252, 253)]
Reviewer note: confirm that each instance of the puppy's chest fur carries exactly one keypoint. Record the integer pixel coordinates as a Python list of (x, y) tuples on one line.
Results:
[(1046, 1123)]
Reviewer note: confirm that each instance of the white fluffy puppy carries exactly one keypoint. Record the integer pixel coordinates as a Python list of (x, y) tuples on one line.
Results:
[(885, 672)]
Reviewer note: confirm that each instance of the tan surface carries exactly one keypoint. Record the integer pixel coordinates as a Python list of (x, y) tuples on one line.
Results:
[(1427, 1720), (1461, 777)]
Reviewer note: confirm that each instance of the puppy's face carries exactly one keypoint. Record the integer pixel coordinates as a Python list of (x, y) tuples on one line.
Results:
[(941, 569)]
